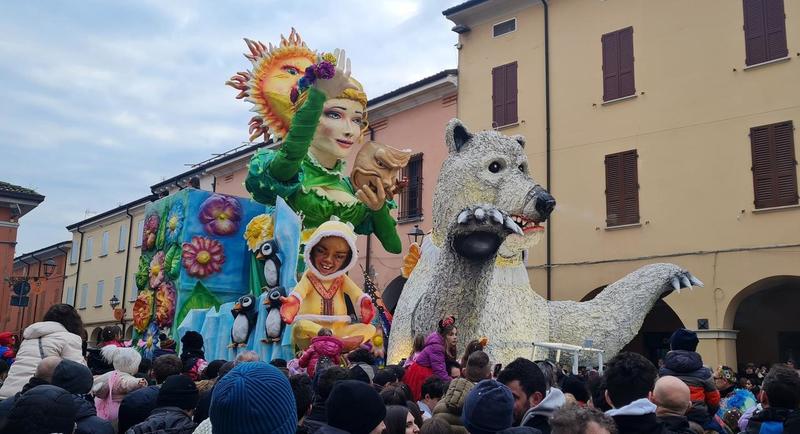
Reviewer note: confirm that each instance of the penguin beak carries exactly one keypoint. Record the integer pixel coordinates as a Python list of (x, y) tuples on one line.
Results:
[(259, 256), (237, 306)]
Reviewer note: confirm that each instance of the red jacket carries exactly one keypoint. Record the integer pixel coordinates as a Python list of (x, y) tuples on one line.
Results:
[(329, 346)]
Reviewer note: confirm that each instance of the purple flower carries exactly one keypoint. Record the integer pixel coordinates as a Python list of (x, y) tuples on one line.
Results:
[(220, 214), (324, 70)]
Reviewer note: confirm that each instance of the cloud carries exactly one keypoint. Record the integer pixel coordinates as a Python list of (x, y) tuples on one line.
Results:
[(103, 99)]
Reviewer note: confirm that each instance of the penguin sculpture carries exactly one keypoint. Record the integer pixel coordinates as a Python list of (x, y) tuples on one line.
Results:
[(274, 324), (268, 252), (244, 320)]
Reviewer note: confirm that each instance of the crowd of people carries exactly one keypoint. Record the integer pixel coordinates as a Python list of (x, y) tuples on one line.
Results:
[(56, 385)]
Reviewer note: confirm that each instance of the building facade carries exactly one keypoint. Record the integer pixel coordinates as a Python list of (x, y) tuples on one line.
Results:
[(15, 202), (44, 270), (102, 264), (669, 137)]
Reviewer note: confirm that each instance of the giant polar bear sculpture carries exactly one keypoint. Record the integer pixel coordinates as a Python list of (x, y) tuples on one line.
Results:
[(484, 209)]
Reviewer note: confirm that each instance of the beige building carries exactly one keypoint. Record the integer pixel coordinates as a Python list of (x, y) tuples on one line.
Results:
[(102, 264), (668, 131)]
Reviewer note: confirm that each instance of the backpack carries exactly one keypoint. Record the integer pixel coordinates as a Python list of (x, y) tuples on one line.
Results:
[(107, 408)]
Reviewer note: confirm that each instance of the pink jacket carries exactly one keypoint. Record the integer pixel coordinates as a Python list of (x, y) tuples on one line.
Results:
[(433, 356), (329, 346)]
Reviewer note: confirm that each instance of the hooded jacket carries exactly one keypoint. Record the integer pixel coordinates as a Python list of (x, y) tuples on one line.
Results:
[(450, 407), (433, 356), (688, 366), (43, 409), (639, 417), (87, 420), (774, 420), (314, 306), (165, 420), (539, 417), (40, 340), (328, 346), (137, 406)]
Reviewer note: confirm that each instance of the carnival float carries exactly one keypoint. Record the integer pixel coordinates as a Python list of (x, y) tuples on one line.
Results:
[(267, 273)]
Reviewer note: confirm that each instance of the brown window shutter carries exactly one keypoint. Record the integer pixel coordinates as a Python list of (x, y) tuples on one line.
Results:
[(754, 32), (630, 187), (511, 93), (411, 197), (775, 29), (626, 84), (610, 66), (499, 95), (622, 188), (774, 165)]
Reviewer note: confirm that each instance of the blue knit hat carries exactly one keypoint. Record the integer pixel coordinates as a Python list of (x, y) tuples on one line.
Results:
[(683, 339), (489, 408), (253, 398)]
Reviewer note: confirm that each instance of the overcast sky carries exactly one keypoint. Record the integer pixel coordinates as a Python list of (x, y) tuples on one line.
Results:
[(99, 100)]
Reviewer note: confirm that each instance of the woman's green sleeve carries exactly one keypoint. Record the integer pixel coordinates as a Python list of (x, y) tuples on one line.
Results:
[(286, 163)]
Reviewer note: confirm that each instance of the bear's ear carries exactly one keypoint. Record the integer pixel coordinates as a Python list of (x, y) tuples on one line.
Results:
[(456, 135), (519, 139)]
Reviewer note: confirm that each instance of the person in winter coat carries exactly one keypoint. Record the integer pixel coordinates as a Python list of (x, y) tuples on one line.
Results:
[(686, 364), (111, 388), (137, 405), (324, 345), (734, 402), (419, 344), (177, 399), (192, 354), (44, 409), (43, 375), (630, 379), (451, 406), (432, 359), (166, 345), (780, 397), (59, 334), (344, 417), (77, 380), (533, 405), (672, 399), (323, 383), (111, 335)]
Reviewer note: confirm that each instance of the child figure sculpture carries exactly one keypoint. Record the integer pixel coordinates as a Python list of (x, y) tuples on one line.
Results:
[(319, 299)]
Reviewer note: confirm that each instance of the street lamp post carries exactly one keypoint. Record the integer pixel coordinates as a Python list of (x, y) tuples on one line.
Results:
[(119, 313), (416, 234)]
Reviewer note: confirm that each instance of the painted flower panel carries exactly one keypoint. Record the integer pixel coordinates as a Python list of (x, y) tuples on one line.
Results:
[(150, 231), (148, 342), (174, 223), (203, 257), (157, 270), (259, 230), (143, 310), (220, 215), (165, 304)]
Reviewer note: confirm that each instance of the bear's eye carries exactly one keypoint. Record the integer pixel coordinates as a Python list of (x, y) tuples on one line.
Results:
[(495, 166), (522, 168)]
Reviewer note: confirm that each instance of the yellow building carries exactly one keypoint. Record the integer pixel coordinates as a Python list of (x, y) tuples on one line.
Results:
[(103, 263), (668, 131)]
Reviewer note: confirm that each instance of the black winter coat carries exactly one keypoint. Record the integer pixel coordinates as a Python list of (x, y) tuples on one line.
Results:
[(87, 420), (788, 420), (165, 420), (644, 424), (688, 367), (136, 407)]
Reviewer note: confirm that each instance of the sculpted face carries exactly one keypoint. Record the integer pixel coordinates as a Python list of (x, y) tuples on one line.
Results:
[(378, 163), (278, 81), (330, 255), (338, 131)]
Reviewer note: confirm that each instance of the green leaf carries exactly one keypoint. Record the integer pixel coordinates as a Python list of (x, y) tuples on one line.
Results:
[(200, 298), (172, 262), (143, 272)]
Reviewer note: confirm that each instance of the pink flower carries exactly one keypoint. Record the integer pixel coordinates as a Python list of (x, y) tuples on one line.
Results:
[(203, 257), (150, 231), (220, 214), (157, 270)]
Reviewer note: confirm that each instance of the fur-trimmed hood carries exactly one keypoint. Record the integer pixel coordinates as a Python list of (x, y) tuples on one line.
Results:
[(331, 228)]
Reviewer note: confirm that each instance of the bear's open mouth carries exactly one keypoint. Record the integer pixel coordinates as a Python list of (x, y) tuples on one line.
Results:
[(527, 225)]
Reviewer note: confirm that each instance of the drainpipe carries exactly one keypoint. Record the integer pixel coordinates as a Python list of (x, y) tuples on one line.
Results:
[(549, 248), (63, 273), (369, 236), (127, 262), (39, 273), (214, 184), (78, 271)]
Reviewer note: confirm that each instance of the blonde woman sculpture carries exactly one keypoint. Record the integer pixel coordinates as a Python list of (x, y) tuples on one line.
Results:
[(320, 112)]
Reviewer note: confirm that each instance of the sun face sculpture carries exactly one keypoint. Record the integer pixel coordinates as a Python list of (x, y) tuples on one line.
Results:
[(269, 85)]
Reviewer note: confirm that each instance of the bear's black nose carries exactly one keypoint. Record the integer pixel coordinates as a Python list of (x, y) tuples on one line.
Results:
[(544, 204)]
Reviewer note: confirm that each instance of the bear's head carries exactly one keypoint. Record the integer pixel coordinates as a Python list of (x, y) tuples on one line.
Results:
[(485, 192)]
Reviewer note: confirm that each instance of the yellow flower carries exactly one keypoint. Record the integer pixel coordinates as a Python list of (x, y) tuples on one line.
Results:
[(330, 58), (259, 229), (306, 235)]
